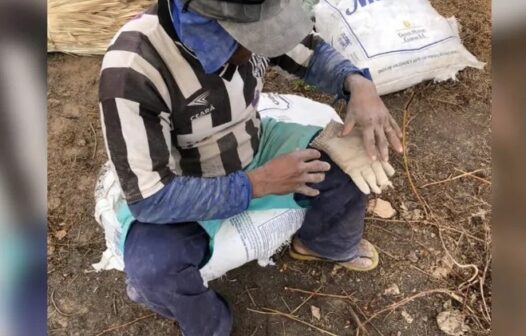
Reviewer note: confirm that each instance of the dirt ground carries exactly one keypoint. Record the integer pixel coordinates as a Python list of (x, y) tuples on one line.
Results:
[(448, 133)]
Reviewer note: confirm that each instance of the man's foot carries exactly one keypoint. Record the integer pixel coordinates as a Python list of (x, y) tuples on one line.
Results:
[(366, 260)]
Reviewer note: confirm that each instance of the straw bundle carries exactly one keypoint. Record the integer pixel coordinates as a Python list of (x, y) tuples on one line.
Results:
[(87, 26)]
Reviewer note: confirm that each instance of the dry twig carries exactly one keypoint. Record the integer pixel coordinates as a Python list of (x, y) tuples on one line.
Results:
[(481, 283), (427, 209), (472, 174), (450, 178), (250, 296), (286, 305), (125, 324), (52, 299), (96, 142), (405, 301), (425, 222), (385, 252), (358, 322), (316, 293), (305, 301), (268, 311)]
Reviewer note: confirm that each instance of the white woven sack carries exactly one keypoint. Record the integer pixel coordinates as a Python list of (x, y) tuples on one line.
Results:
[(251, 235), (402, 42)]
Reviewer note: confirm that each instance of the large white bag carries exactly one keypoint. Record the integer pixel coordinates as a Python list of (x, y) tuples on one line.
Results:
[(402, 42), (251, 235)]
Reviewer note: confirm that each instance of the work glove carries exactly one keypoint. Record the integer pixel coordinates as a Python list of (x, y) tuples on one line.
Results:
[(350, 155)]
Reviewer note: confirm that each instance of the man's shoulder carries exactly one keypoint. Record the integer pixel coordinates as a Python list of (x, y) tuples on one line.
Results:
[(136, 31)]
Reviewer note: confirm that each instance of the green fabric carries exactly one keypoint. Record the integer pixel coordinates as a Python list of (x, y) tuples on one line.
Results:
[(276, 138), (125, 218)]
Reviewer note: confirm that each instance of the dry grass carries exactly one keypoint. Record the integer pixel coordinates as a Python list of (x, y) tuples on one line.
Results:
[(86, 27)]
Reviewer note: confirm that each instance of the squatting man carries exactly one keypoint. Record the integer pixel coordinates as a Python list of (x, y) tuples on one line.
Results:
[(179, 88)]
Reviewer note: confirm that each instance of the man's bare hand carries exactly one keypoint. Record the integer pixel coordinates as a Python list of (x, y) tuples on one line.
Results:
[(289, 173), (366, 110)]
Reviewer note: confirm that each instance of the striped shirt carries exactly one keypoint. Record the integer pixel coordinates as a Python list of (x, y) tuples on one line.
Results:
[(163, 116)]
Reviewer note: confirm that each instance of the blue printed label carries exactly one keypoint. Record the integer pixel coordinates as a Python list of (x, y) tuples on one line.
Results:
[(357, 4)]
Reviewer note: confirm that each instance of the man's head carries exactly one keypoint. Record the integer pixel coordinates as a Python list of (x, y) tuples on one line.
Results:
[(266, 27)]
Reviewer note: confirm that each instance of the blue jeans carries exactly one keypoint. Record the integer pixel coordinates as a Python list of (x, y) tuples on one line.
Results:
[(162, 261)]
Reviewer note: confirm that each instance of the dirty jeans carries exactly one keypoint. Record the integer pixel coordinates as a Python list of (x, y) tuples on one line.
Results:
[(162, 261)]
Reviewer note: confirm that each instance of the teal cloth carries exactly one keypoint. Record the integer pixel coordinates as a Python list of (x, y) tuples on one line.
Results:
[(125, 218), (276, 138)]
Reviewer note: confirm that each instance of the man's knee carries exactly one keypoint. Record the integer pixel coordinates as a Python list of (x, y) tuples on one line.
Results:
[(338, 183), (155, 254)]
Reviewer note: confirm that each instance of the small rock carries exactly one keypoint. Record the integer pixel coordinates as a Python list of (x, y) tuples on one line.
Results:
[(381, 208), (53, 101), (335, 269), (452, 322), (50, 249), (412, 256), (315, 311), (442, 271), (447, 305), (415, 214), (53, 203), (392, 290), (323, 278), (61, 234), (408, 318)]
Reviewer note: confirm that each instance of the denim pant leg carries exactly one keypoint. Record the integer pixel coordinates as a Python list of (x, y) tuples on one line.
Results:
[(334, 222), (162, 268)]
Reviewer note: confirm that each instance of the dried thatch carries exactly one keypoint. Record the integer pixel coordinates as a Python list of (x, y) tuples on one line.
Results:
[(87, 26)]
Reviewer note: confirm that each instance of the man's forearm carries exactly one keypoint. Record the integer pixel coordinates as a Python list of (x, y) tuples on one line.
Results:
[(357, 83), (328, 70), (187, 199)]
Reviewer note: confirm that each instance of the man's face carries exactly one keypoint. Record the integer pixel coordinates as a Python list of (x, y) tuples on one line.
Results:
[(241, 56)]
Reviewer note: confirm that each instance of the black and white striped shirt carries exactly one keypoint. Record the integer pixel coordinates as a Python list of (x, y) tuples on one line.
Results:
[(162, 116)]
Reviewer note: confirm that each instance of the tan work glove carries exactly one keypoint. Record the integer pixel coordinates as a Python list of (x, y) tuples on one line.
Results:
[(350, 155)]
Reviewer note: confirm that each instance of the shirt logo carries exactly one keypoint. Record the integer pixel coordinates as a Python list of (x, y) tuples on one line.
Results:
[(203, 113), (200, 100)]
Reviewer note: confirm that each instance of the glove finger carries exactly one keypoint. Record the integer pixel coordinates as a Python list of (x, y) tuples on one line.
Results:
[(389, 170), (381, 177), (359, 181), (370, 177)]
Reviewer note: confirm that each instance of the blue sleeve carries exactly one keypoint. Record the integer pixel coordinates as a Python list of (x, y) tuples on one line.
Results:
[(328, 69), (186, 199)]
